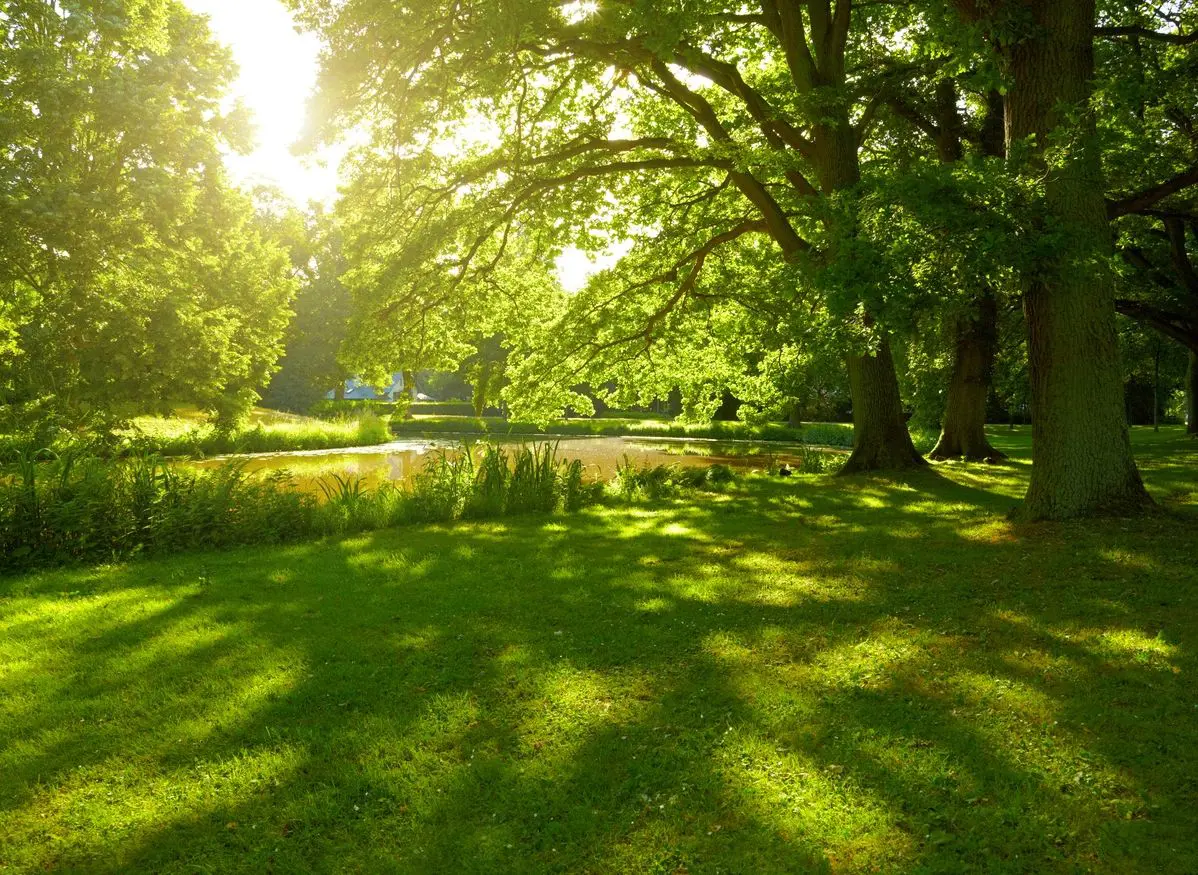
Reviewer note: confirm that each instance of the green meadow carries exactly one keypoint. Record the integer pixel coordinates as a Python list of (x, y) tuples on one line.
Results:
[(806, 674)]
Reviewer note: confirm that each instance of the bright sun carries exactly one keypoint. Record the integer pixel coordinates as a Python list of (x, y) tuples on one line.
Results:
[(278, 71)]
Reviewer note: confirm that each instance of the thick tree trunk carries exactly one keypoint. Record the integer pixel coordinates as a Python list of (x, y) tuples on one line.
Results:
[(963, 433), (1191, 410), (1082, 455), (880, 437)]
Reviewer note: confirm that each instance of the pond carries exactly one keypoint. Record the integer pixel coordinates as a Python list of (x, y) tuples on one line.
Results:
[(398, 461)]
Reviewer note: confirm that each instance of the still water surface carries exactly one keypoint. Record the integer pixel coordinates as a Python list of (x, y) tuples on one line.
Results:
[(399, 460)]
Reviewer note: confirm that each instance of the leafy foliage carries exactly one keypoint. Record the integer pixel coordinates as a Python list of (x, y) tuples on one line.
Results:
[(131, 269)]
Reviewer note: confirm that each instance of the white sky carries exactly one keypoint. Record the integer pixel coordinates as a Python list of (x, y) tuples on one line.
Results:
[(278, 72)]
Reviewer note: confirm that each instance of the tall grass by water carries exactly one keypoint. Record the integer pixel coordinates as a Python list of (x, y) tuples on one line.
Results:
[(269, 434), (73, 509)]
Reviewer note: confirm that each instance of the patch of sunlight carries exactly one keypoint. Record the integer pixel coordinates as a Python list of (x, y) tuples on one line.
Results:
[(1128, 559), (236, 702), (97, 614), (449, 712), (1018, 726), (872, 502), (556, 528), (1120, 645), (417, 639), (280, 578), (889, 650), (654, 605), (907, 531), (989, 532), (401, 561), (178, 641), (107, 806), (935, 507), (706, 584), (570, 707), (1010, 700), (679, 529), (1136, 646), (515, 655), (1041, 664), (728, 647), (636, 524), (357, 545), (810, 797)]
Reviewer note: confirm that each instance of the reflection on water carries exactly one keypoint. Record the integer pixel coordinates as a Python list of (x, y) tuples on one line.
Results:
[(398, 461)]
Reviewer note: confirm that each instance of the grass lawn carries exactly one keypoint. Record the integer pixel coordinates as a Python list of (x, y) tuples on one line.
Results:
[(800, 675)]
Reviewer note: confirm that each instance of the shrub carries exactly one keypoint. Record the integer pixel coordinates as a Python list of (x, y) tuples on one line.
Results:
[(331, 408)]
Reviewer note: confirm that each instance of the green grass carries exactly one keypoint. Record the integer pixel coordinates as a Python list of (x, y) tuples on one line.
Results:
[(267, 432), (807, 674), (839, 434), (187, 433)]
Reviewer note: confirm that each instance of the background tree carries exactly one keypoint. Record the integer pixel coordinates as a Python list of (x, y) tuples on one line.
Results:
[(682, 130), (309, 367), (1150, 135), (137, 273)]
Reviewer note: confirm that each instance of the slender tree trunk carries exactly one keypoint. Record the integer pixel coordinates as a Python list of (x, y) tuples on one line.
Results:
[(1083, 463), (880, 437), (1191, 409), (964, 431), (975, 334), (1156, 388)]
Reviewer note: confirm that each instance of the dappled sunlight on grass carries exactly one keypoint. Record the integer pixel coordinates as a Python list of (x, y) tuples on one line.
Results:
[(811, 674)]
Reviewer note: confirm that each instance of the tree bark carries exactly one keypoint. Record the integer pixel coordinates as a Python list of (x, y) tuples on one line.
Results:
[(1191, 408), (963, 429), (963, 433), (881, 441), (880, 437), (1082, 456)]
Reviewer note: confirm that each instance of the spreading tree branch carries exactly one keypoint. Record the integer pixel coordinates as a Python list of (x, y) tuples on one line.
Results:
[(1183, 329), (1141, 201), (1177, 39)]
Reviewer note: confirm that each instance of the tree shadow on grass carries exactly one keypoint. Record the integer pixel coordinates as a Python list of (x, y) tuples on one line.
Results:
[(797, 676)]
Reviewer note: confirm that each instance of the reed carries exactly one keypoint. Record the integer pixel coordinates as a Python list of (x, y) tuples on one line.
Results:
[(71, 508)]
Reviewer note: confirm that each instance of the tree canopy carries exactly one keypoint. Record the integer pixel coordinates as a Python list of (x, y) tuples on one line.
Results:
[(133, 270)]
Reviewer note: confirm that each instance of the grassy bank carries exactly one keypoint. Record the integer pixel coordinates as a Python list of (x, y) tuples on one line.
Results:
[(189, 434), (266, 432), (800, 675), (824, 433)]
